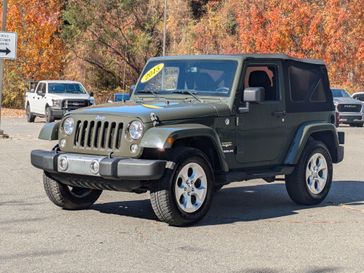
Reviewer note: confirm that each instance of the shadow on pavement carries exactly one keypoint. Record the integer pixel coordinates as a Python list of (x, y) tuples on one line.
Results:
[(247, 203)]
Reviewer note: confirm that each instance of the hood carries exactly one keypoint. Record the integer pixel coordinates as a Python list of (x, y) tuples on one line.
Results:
[(69, 96), (346, 100), (164, 110)]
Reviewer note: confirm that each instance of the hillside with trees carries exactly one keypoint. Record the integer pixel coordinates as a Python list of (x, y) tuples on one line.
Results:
[(105, 44)]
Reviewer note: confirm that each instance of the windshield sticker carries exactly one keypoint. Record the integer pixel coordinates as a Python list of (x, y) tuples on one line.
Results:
[(151, 106), (154, 71)]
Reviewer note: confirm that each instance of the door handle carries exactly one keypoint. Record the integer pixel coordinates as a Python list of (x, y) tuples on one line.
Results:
[(279, 114)]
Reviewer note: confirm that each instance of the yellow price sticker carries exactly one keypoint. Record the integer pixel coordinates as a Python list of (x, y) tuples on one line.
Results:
[(152, 73), (152, 106)]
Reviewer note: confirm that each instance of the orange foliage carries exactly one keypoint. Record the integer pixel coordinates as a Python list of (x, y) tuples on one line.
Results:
[(331, 30), (40, 50)]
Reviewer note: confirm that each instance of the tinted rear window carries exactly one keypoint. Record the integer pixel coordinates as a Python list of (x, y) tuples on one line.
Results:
[(308, 87), (306, 84)]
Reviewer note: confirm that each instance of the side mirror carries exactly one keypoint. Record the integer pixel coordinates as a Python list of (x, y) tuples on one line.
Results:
[(254, 94), (132, 87)]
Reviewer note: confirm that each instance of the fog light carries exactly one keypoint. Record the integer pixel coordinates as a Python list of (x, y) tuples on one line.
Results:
[(63, 163), (134, 148), (62, 143), (95, 167)]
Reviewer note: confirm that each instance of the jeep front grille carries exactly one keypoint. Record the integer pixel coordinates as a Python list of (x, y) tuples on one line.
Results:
[(349, 108), (102, 135)]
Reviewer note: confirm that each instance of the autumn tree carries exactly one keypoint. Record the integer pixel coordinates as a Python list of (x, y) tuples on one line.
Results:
[(113, 38), (331, 30), (39, 51)]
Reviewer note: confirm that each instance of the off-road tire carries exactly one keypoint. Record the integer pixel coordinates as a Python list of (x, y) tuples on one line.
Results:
[(66, 197), (296, 184), (30, 115), (48, 114), (162, 193)]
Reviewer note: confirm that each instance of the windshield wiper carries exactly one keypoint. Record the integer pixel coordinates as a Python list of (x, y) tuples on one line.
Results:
[(187, 92), (148, 91)]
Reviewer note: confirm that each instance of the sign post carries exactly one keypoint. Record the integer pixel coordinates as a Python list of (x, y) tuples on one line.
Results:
[(7, 51)]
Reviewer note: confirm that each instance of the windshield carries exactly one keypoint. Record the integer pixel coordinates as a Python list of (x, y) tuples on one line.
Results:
[(69, 88), (201, 77), (340, 93)]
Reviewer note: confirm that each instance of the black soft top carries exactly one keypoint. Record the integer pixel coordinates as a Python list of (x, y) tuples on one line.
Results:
[(242, 57)]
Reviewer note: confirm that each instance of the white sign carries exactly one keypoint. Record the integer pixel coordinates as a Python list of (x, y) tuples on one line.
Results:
[(8, 45)]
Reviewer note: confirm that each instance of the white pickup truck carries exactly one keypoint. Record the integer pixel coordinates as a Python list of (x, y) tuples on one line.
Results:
[(52, 99)]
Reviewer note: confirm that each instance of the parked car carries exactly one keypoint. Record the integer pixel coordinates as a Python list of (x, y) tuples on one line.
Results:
[(194, 124), (350, 110), (52, 99), (119, 97)]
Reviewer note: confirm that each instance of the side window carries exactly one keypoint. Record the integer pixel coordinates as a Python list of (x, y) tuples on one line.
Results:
[(360, 97), (44, 88), (265, 76), (306, 83), (41, 89)]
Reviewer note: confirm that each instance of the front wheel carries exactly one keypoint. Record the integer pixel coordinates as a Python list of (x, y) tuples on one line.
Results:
[(30, 115), (183, 195), (48, 114), (311, 180), (71, 198)]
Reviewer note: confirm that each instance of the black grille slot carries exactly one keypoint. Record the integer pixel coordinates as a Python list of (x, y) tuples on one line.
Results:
[(83, 134), (98, 135), (111, 136), (119, 133), (90, 133), (349, 107)]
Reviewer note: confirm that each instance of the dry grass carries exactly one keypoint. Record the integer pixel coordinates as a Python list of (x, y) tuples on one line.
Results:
[(12, 113)]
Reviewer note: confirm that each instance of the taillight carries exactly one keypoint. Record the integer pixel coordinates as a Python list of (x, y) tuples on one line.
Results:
[(337, 119)]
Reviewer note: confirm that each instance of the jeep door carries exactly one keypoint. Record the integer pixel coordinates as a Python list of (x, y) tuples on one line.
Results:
[(261, 132)]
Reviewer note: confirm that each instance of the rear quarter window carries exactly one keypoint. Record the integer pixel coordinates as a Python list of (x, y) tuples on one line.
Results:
[(307, 87), (306, 84)]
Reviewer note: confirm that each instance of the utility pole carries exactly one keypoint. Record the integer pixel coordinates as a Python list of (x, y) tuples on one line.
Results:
[(3, 28), (165, 28)]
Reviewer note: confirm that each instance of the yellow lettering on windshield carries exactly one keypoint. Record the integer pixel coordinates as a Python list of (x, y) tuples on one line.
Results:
[(152, 73)]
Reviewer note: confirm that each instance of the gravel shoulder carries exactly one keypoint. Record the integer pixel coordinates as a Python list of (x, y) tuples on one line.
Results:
[(251, 227)]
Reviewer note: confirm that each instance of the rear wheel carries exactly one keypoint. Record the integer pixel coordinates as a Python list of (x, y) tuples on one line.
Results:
[(71, 198), (311, 180), (30, 115), (183, 195)]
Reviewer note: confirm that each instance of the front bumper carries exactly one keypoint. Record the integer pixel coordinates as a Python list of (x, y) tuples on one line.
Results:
[(349, 118), (58, 113), (108, 168)]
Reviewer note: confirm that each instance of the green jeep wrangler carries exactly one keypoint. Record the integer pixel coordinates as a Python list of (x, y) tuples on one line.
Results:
[(194, 124)]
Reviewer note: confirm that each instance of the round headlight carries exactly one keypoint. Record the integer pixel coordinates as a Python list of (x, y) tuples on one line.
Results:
[(68, 126), (136, 129)]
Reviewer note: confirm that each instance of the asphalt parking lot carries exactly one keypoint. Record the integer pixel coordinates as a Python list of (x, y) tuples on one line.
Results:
[(251, 227)]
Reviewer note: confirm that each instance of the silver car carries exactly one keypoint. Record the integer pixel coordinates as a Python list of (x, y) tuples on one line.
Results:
[(351, 111)]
